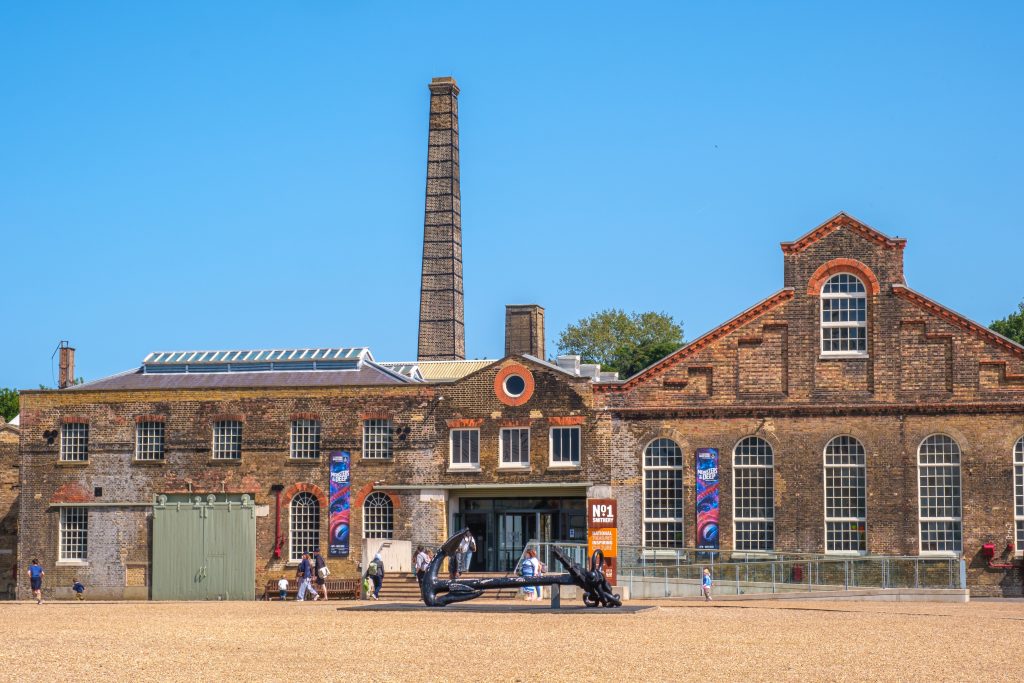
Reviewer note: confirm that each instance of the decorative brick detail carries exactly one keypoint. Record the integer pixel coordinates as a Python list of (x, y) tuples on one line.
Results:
[(71, 493), (375, 415), (842, 265), (505, 373), (566, 421), (514, 423), (465, 423), (842, 220), (306, 416), (150, 418), (701, 343), (74, 420), (367, 489), (955, 318), (301, 487)]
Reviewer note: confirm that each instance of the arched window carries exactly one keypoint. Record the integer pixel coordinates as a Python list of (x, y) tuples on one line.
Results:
[(378, 516), (303, 525), (938, 460), (753, 495), (663, 495), (1018, 486), (845, 496), (844, 316)]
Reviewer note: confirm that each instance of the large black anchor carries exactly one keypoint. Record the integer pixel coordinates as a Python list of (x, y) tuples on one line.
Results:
[(440, 592)]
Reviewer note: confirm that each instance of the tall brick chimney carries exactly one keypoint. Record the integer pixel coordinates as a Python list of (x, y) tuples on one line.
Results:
[(524, 330), (442, 334), (66, 377)]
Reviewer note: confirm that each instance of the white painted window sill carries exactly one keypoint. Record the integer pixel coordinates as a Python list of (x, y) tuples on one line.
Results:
[(463, 468), (72, 563), (563, 466)]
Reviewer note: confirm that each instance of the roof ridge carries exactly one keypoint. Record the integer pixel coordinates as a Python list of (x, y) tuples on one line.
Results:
[(956, 318), (840, 220)]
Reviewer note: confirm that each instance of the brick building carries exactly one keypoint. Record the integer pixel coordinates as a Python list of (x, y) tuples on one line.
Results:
[(851, 414), (9, 440)]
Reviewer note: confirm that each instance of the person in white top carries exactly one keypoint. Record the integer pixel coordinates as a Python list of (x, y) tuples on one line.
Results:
[(282, 588), (420, 563)]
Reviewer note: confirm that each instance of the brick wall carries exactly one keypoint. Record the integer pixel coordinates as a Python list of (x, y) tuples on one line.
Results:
[(8, 510)]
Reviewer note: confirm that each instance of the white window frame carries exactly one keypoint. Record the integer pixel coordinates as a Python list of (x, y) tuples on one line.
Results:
[(150, 441), (650, 521), (508, 465), (304, 508), (221, 441), (378, 516), (468, 466), (847, 324), (74, 442), (377, 444), (1018, 507), (73, 542), (304, 439), (863, 467), (769, 522), (566, 464), (958, 519)]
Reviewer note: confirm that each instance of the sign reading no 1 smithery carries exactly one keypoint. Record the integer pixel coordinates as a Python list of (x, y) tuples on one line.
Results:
[(603, 533), (707, 498), (341, 489)]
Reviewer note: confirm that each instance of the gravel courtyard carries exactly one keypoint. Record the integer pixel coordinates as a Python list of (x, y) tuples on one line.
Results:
[(490, 641)]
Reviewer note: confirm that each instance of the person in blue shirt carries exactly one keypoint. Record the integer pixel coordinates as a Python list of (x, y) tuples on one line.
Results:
[(305, 575), (79, 590), (705, 584), (35, 575)]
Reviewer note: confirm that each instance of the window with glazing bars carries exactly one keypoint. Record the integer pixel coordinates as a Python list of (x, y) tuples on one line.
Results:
[(227, 440), (465, 448), (377, 439), (754, 495), (378, 516), (939, 487), (1018, 485), (663, 495), (149, 441), (845, 496), (305, 441), (74, 442), (565, 445), (303, 525), (515, 447), (844, 320), (74, 533)]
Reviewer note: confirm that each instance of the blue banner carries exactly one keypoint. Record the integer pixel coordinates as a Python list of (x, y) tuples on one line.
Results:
[(707, 498), (341, 491)]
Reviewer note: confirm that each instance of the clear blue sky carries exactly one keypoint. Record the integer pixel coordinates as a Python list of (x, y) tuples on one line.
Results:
[(245, 175)]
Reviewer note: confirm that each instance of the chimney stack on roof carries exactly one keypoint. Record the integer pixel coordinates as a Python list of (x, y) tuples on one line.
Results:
[(524, 330), (442, 333), (67, 366)]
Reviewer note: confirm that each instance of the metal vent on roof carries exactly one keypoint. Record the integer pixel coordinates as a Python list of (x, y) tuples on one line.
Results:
[(262, 360)]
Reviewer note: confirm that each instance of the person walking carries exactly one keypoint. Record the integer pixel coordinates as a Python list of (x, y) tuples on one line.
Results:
[(705, 584), (282, 588), (467, 546), (35, 576), (322, 571), (529, 569), (420, 562), (375, 572), (305, 579), (79, 590)]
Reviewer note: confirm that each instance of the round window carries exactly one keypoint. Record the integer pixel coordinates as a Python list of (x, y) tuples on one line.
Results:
[(515, 385)]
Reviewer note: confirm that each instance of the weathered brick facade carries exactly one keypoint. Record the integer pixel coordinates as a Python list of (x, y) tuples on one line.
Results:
[(927, 371), (9, 441)]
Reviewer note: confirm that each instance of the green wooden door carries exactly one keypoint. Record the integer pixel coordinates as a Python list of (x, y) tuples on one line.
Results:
[(204, 547)]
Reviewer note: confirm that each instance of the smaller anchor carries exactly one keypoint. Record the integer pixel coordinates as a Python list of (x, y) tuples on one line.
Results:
[(440, 592)]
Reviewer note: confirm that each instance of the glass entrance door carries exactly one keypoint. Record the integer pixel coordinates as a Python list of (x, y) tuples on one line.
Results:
[(514, 530)]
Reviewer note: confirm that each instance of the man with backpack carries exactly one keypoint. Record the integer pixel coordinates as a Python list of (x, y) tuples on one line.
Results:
[(305, 576), (375, 572), (322, 572)]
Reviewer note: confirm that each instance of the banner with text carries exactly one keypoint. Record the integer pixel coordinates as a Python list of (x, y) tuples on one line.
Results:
[(603, 533), (341, 489), (707, 498)]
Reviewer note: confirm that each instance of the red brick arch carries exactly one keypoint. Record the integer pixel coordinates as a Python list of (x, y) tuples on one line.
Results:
[(360, 497), (842, 265), (295, 489)]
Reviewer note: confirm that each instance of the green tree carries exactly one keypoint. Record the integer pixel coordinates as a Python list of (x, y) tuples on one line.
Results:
[(1012, 326), (622, 342), (8, 403)]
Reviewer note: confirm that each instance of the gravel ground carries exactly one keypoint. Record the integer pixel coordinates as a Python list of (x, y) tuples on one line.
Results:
[(510, 642)]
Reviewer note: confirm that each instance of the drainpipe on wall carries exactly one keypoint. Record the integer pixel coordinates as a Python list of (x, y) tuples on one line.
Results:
[(277, 488)]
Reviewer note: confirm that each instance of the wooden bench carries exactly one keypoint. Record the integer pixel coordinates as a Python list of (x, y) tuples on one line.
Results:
[(336, 588)]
